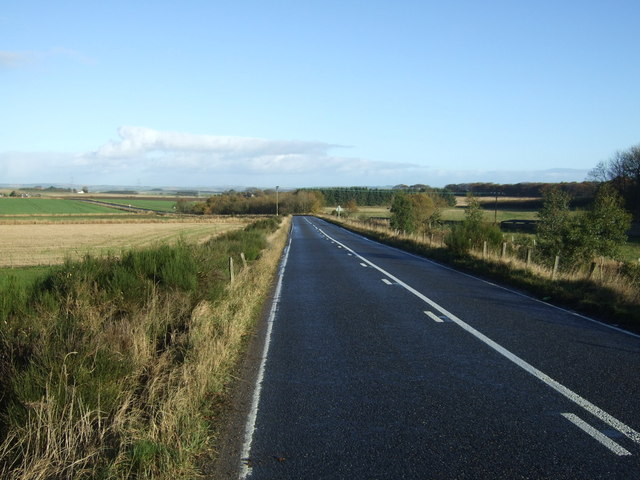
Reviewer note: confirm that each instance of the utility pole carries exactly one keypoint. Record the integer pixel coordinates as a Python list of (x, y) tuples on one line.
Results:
[(277, 206)]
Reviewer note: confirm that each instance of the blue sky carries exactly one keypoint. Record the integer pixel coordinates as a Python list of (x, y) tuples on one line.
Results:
[(254, 93)]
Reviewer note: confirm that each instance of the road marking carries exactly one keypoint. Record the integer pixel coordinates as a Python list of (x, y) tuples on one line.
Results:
[(387, 281), (557, 386), (502, 287), (596, 434), (363, 264), (433, 316), (250, 426)]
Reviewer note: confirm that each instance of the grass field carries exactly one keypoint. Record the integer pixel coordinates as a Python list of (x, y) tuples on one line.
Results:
[(451, 214), (162, 205), (26, 245), (49, 206)]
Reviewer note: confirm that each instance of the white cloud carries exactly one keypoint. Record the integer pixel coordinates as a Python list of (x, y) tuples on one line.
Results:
[(153, 157), (12, 59), (17, 59), (153, 149)]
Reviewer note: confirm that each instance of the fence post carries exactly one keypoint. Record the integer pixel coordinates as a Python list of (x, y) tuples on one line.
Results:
[(592, 269), (555, 267), (504, 250), (431, 242), (231, 273), (244, 260), (528, 256), (484, 249)]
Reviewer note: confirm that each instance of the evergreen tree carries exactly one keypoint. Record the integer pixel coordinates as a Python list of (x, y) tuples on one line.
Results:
[(402, 214)]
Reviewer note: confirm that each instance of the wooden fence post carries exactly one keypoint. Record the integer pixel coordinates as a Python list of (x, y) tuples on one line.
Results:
[(244, 260), (528, 257), (504, 250), (484, 249), (555, 267), (592, 269), (231, 273)]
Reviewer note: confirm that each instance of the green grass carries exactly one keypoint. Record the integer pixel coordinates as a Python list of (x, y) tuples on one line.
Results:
[(49, 206), (631, 251), (160, 204), (25, 275)]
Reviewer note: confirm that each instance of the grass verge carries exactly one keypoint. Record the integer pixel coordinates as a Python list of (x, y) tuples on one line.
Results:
[(108, 366), (612, 296)]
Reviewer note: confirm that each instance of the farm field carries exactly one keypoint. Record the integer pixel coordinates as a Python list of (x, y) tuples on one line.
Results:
[(451, 214), (49, 206), (36, 244), (160, 204)]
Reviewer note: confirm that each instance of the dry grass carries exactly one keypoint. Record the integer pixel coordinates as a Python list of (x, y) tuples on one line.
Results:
[(157, 425), (49, 244), (600, 292)]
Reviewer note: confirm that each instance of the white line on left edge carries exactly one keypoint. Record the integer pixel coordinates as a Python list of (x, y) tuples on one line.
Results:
[(250, 426), (557, 386)]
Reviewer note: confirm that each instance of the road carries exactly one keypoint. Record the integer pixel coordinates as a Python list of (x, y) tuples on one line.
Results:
[(382, 365)]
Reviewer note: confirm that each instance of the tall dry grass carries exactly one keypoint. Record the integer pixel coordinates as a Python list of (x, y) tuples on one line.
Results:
[(102, 383)]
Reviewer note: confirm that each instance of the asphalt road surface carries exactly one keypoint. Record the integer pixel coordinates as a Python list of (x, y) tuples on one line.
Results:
[(382, 365)]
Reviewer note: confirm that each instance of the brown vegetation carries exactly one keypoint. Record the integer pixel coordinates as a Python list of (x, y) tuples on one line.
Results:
[(48, 244)]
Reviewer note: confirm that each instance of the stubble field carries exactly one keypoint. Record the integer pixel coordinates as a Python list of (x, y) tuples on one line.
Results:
[(49, 244)]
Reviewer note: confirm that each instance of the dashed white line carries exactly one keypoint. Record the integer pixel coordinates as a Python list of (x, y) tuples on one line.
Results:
[(364, 264), (596, 434), (557, 386), (387, 281), (433, 316)]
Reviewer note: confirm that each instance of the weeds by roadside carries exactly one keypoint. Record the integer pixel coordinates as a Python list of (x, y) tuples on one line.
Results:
[(108, 366)]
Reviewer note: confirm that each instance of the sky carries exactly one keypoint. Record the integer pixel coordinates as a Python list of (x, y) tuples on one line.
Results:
[(315, 93)]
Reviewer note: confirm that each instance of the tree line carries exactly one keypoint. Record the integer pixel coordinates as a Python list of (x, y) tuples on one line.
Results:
[(585, 189), (257, 202), (378, 196)]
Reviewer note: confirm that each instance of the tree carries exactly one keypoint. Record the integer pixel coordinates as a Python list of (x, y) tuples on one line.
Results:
[(559, 232), (424, 209), (599, 231), (351, 207), (606, 224), (473, 231), (623, 172), (402, 214)]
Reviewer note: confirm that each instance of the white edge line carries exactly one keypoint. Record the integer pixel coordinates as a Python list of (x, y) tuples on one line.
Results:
[(245, 469), (597, 435), (433, 316), (424, 259), (571, 395)]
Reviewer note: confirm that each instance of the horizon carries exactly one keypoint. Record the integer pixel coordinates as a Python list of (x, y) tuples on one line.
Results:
[(317, 93)]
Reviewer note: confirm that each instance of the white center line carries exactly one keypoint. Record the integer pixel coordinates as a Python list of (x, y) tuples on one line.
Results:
[(557, 386), (433, 316), (599, 436)]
